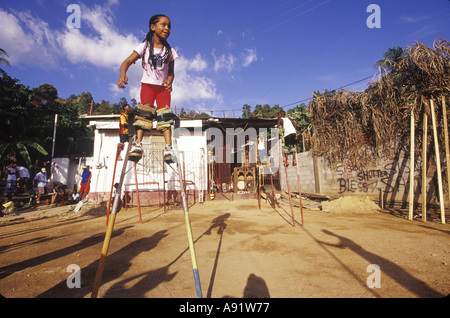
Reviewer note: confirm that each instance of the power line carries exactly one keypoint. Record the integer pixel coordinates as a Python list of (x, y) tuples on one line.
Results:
[(314, 55), (336, 89), (286, 21), (187, 110)]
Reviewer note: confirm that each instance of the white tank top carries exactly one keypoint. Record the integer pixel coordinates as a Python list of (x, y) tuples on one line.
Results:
[(288, 127)]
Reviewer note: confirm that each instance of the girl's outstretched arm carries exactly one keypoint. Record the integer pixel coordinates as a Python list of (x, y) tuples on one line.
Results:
[(123, 80)]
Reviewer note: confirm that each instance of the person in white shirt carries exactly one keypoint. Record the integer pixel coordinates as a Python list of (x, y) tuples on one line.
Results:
[(289, 135), (262, 151), (158, 63), (10, 186), (41, 179)]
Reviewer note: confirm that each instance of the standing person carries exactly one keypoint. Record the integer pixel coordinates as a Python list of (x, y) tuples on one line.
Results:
[(41, 178), (289, 136), (158, 62), (24, 175), (56, 188), (85, 182), (123, 128), (262, 151), (11, 179)]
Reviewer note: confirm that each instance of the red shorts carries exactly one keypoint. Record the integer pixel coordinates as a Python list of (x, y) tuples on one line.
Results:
[(150, 93)]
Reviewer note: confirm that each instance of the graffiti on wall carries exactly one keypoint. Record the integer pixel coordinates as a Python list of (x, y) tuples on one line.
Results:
[(389, 177)]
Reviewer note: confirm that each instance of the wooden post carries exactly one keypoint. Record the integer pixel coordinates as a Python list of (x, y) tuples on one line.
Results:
[(411, 170), (424, 167), (447, 151), (438, 162)]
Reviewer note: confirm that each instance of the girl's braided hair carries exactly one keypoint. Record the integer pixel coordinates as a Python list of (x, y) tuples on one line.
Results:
[(149, 43)]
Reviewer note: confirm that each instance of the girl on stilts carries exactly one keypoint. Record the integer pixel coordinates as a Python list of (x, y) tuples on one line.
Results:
[(158, 62)]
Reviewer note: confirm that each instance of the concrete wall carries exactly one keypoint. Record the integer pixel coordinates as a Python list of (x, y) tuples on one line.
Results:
[(305, 169), (387, 178)]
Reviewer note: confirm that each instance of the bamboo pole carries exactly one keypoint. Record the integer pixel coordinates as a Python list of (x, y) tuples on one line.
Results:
[(424, 167), (447, 150), (438, 162), (103, 255), (411, 171)]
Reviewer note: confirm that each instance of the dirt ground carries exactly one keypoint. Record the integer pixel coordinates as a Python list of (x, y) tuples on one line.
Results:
[(242, 251)]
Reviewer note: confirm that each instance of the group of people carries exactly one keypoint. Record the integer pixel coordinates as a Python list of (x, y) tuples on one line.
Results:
[(42, 184), (58, 189), (16, 179)]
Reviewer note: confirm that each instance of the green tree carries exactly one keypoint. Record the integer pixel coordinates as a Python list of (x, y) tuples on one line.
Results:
[(246, 111), (391, 58), (3, 60), (83, 103), (47, 90)]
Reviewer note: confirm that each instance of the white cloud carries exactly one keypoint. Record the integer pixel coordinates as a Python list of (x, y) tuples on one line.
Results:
[(224, 62), (413, 18), (249, 56), (30, 41), (27, 40), (229, 63), (105, 48), (198, 63)]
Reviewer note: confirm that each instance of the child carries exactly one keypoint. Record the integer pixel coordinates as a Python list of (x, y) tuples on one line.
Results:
[(8, 207), (290, 136), (41, 178), (75, 195), (123, 129), (158, 62)]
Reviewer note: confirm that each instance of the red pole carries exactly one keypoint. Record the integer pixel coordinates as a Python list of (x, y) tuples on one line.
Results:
[(273, 192), (290, 199), (299, 189), (259, 187), (137, 193)]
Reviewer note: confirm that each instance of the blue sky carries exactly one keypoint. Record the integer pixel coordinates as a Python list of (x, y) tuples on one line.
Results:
[(232, 52)]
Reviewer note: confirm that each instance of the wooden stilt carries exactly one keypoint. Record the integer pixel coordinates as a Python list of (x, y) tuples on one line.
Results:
[(438, 162), (424, 167), (447, 150), (411, 171)]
